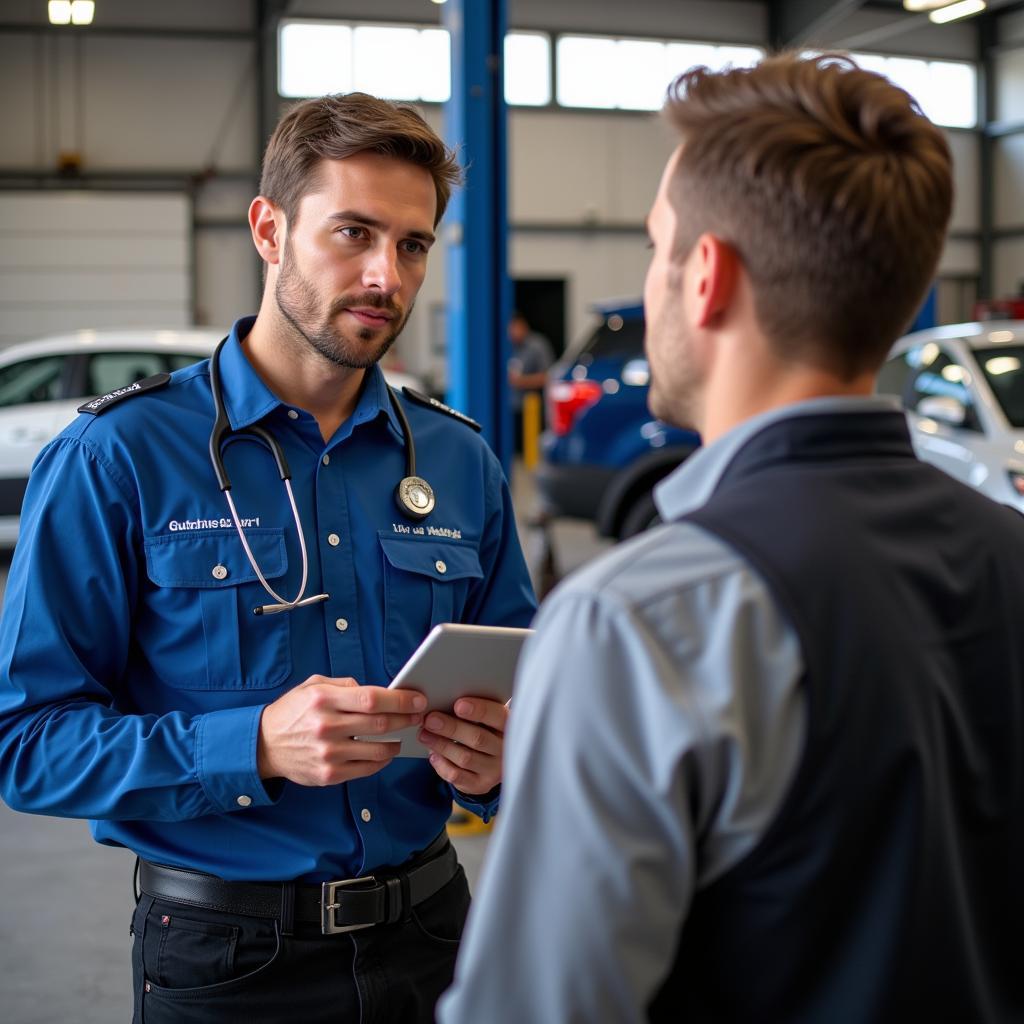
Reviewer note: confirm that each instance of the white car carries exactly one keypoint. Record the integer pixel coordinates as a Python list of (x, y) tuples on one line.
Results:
[(43, 382), (962, 387)]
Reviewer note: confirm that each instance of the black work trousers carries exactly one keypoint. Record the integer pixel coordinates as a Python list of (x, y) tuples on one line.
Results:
[(202, 966)]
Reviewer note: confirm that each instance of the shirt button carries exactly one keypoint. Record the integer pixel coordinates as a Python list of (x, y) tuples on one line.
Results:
[(341, 624), (244, 801), (292, 414), (333, 539), (365, 814), (219, 572), (327, 460), (440, 567)]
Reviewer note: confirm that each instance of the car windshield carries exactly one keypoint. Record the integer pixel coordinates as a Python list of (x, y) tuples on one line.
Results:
[(1003, 366), (617, 336)]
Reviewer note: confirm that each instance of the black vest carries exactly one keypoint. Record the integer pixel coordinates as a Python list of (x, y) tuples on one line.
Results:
[(890, 886)]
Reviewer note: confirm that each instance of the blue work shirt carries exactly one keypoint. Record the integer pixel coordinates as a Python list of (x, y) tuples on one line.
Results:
[(133, 671)]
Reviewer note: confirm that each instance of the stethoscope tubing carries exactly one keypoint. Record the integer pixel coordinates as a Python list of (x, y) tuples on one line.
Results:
[(222, 431)]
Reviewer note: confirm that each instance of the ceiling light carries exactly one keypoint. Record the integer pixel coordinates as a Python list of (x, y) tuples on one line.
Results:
[(961, 9), (82, 11), (923, 5), (60, 12), (71, 12)]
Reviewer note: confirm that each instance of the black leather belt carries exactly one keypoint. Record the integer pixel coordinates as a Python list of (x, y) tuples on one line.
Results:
[(384, 897)]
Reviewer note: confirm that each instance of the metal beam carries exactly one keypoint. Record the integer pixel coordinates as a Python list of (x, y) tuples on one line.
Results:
[(803, 22), (987, 37), (478, 299), (223, 35)]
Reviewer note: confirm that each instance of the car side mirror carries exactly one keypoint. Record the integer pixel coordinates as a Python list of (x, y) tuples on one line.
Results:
[(943, 408)]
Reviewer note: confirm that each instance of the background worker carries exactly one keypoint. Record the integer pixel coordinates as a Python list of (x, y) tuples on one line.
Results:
[(191, 673), (532, 356), (765, 761)]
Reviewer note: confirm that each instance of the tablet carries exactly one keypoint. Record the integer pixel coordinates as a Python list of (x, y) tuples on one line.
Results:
[(457, 660)]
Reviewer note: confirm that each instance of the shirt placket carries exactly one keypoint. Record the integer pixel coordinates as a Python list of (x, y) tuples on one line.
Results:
[(337, 558)]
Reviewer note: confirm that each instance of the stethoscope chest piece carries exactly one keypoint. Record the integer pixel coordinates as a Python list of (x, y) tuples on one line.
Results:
[(415, 497)]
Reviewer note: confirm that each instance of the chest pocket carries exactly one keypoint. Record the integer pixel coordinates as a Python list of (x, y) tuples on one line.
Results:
[(204, 635), (425, 582)]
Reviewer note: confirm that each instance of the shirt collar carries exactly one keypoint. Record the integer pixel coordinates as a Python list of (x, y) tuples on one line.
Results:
[(248, 400), (692, 484)]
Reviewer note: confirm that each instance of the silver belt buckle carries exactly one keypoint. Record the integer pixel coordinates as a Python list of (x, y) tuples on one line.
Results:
[(328, 905)]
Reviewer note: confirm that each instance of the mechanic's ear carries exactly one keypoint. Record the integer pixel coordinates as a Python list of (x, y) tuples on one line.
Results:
[(268, 225)]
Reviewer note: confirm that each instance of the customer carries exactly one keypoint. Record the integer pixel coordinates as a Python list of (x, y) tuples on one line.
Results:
[(765, 761)]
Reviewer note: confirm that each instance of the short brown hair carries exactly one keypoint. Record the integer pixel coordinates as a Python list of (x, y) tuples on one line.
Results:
[(832, 186), (336, 127)]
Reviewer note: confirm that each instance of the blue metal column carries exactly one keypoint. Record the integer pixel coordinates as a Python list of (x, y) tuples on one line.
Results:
[(478, 300)]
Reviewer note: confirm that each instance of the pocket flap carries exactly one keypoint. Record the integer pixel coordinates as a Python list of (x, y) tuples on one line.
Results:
[(440, 560), (192, 559)]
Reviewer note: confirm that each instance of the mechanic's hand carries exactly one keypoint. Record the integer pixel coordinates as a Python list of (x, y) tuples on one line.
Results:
[(466, 749), (307, 735)]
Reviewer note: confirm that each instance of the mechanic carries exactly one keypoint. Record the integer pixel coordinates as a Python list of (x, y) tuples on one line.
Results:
[(219, 572), (766, 758)]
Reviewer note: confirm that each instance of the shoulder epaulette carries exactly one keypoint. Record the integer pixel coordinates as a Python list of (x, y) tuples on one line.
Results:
[(97, 405), (433, 403)]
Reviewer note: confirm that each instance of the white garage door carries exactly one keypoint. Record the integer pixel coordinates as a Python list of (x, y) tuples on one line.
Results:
[(70, 260)]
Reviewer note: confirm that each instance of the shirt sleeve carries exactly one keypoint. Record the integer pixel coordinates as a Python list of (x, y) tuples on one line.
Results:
[(625, 759), (70, 742)]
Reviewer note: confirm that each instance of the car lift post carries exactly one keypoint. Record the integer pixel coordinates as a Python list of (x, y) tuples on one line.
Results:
[(478, 292)]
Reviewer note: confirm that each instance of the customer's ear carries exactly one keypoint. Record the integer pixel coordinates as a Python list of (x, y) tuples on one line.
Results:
[(713, 273)]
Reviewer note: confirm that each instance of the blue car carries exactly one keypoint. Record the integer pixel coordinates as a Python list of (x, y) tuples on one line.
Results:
[(603, 452)]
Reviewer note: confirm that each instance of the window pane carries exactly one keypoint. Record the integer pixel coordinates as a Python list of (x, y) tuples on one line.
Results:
[(893, 377), (179, 360), (952, 94), (527, 69), (639, 72), (32, 380), (911, 75), (387, 61), (110, 370), (681, 57), (736, 57), (435, 65), (946, 91), (583, 72), (315, 59), (1003, 371), (871, 62)]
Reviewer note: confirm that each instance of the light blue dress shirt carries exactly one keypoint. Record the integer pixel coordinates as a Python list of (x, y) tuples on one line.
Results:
[(658, 723), (133, 671)]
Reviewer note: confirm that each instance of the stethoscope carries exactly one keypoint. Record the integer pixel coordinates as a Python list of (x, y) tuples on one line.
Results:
[(413, 495)]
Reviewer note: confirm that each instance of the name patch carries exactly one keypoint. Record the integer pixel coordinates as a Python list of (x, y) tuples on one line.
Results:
[(97, 405)]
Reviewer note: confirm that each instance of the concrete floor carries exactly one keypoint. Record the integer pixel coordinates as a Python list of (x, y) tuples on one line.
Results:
[(66, 902)]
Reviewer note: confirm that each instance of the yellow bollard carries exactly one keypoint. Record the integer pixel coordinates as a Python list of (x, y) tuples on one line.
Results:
[(531, 429)]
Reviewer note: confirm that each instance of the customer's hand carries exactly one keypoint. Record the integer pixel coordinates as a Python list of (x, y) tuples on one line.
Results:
[(467, 747), (307, 735)]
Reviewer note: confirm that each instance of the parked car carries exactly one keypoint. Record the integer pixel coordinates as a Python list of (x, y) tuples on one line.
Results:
[(962, 387), (603, 451), (43, 382)]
